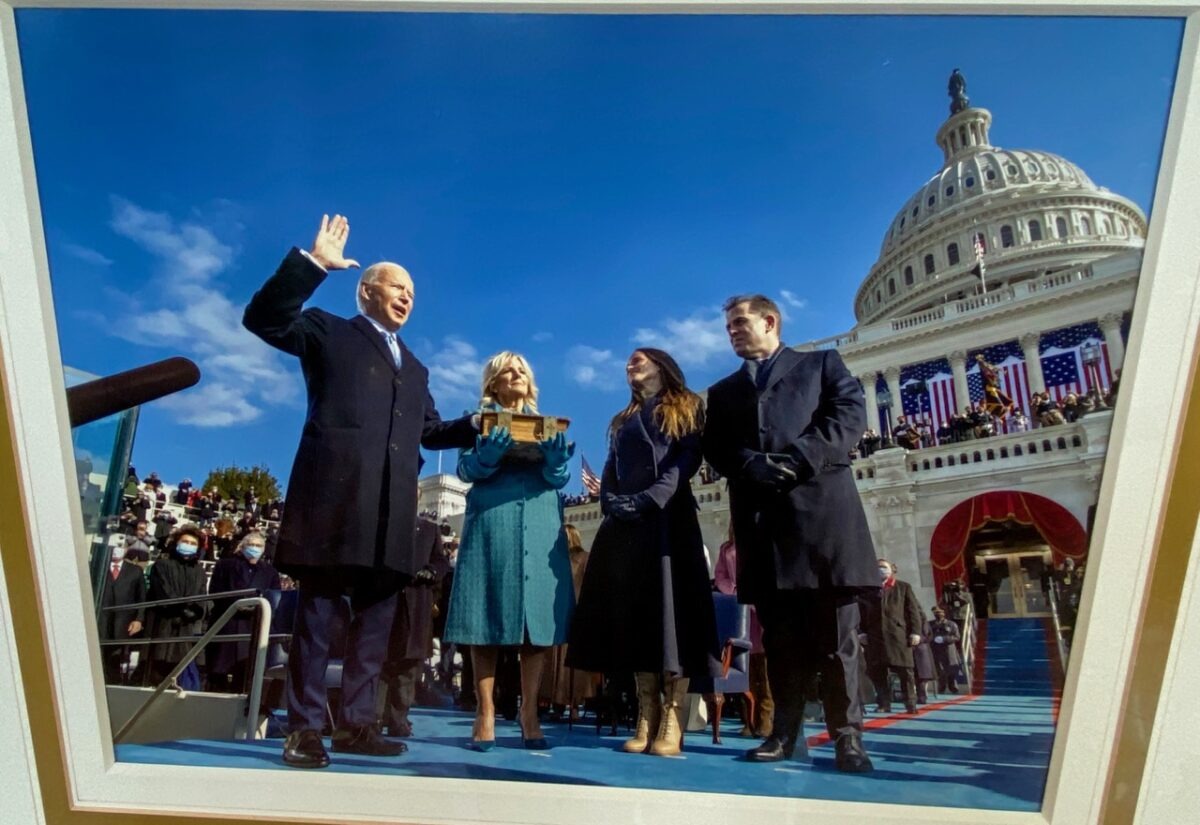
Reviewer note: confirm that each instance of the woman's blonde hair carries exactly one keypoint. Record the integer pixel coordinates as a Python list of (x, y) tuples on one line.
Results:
[(494, 366), (574, 539)]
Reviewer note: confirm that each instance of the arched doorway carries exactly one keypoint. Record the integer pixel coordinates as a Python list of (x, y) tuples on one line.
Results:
[(1004, 543)]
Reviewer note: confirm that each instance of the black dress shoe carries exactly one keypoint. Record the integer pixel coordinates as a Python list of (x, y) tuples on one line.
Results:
[(849, 756), (365, 740), (777, 748), (911, 708), (303, 749)]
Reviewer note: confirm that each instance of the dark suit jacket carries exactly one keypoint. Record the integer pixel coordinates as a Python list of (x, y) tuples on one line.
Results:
[(129, 588), (888, 617), (813, 535), (359, 452)]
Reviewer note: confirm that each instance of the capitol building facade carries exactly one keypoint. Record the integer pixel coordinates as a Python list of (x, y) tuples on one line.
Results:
[(1012, 254)]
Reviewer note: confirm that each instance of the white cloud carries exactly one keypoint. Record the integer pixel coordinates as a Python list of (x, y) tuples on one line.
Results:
[(454, 374), (87, 255), (543, 337), (791, 299), (183, 308), (211, 404), (692, 341), (593, 368)]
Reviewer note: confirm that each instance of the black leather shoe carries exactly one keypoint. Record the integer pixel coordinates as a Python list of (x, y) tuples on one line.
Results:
[(303, 749), (911, 709), (365, 740), (850, 757), (777, 748)]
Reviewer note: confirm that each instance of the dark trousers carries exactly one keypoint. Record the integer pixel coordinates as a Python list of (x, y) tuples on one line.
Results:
[(883, 691), (810, 633), (373, 605), (400, 677)]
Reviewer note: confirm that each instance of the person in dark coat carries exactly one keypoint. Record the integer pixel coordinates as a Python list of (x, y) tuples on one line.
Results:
[(924, 669), (244, 569), (944, 637), (174, 575), (892, 622), (350, 519), (125, 585), (781, 430), (411, 642), (645, 604)]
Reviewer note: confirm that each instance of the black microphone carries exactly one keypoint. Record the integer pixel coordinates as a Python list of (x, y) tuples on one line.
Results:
[(105, 396)]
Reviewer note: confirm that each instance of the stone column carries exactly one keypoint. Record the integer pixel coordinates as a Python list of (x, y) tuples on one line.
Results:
[(892, 376), (1033, 363), (958, 368), (1110, 325), (868, 382)]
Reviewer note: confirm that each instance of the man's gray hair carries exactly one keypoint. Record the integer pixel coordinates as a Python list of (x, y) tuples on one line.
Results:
[(369, 276)]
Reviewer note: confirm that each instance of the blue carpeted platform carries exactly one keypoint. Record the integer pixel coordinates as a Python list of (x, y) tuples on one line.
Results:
[(988, 751)]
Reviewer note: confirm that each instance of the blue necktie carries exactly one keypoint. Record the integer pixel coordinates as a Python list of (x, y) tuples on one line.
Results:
[(394, 346)]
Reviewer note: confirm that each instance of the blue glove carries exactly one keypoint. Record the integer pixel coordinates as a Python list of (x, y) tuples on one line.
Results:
[(492, 447), (556, 451)]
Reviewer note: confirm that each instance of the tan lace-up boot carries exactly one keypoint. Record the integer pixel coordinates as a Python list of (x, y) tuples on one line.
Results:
[(649, 710), (669, 741)]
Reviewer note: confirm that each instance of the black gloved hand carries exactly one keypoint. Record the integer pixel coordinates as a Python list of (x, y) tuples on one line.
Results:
[(423, 576), (629, 507), (764, 470), (191, 612)]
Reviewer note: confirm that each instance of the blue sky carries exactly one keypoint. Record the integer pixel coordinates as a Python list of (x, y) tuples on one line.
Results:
[(568, 186)]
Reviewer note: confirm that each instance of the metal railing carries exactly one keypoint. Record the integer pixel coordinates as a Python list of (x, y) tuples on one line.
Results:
[(970, 636), (1052, 599), (260, 654)]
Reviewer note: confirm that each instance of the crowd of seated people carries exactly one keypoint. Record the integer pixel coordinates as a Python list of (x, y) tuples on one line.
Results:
[(975, 422)]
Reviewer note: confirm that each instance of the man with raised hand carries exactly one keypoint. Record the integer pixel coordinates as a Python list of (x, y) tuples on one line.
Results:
[(781, 429), (349, 525)]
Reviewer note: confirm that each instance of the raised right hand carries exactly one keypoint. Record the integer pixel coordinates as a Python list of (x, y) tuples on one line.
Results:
[(330, 243), (492, 447)]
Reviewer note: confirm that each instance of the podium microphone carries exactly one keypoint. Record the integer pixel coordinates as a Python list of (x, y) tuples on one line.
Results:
[(116, 393)]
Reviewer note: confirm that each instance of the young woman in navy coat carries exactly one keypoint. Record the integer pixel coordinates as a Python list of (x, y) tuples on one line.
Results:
[(646, 601)]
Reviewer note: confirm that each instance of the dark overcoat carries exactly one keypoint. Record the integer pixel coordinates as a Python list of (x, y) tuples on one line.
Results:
[(945, 652), (923, 665), (129, 588), (888, 617), (352, 494), (813, 535), (645, 604), (170, 578), (235, 572), (412, 629)]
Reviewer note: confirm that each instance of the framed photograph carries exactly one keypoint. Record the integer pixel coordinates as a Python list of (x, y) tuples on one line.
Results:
[(987, 210)]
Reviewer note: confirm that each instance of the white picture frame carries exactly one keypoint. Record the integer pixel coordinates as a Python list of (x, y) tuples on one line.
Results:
[(1155, 388)]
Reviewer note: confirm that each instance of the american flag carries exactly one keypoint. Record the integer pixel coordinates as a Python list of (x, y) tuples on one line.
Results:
[(979, 270), (937, 403), (591, 481), (1062, 360)]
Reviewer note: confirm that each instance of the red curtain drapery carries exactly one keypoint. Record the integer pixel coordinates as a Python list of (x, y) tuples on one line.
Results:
[(1061, 530)]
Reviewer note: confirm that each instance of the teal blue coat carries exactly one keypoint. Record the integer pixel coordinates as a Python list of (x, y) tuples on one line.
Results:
[(513, 574)]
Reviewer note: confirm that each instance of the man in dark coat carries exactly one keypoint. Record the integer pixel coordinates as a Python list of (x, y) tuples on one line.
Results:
[(781, 429), (944, 637), (411, 641), (245, 569), (125, 585), (892, 621), (350, 519)]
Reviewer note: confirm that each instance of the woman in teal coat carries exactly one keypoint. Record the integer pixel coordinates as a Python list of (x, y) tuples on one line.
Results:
[(512, 582)]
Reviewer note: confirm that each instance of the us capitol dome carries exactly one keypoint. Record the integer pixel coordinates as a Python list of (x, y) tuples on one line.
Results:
[(1033, 212)]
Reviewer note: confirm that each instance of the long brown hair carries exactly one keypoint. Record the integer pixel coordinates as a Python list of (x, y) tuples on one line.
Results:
[(680, 411)]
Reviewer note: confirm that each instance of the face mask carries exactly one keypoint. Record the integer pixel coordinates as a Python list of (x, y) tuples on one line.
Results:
[(186, 550), (118, 553), (884, 573), (252, 551)]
